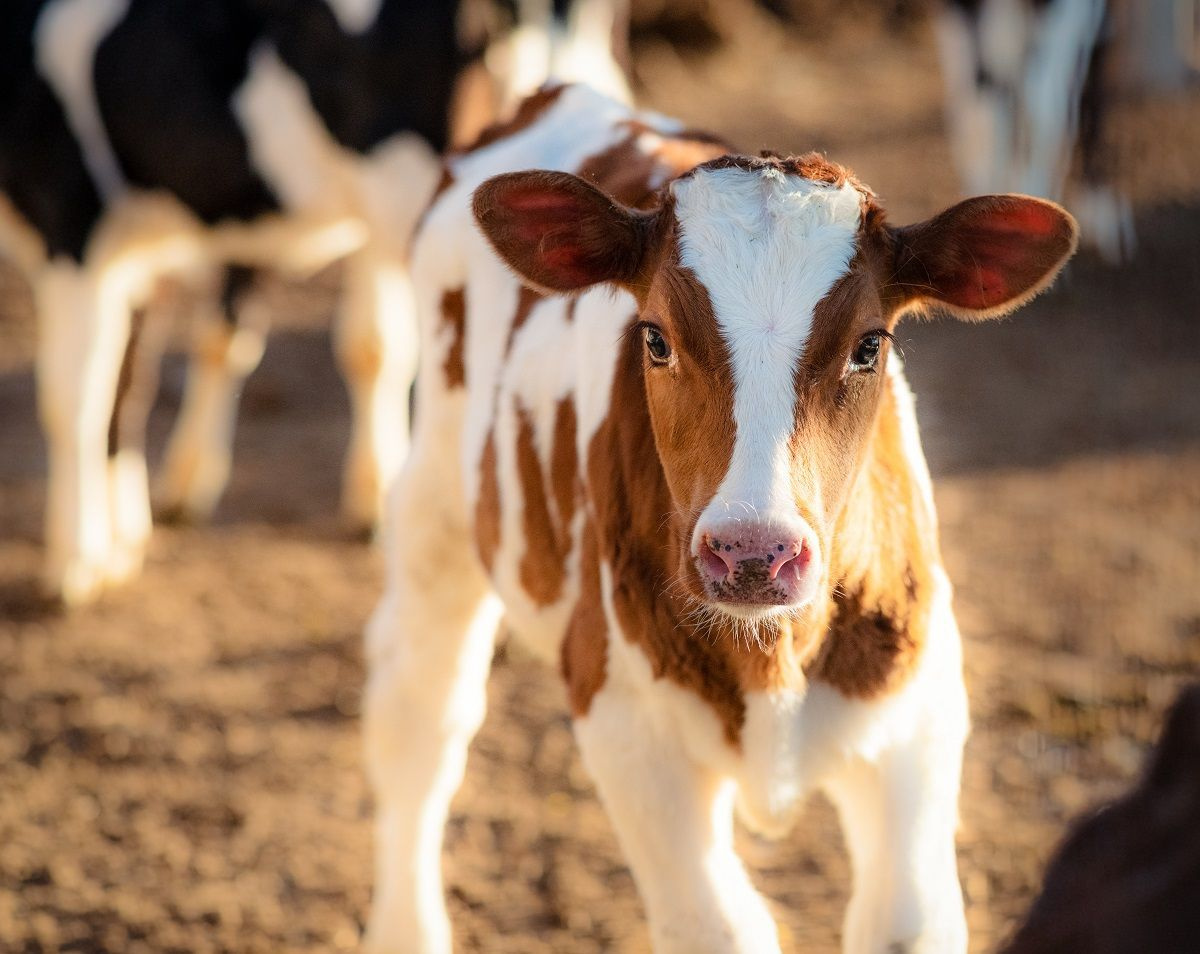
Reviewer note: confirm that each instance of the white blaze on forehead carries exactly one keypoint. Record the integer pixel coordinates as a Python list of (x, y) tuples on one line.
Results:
[(767, 247)]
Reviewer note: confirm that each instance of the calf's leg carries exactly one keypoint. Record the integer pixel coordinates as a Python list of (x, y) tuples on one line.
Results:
[(899, 812), (429, 649), (674, 820)]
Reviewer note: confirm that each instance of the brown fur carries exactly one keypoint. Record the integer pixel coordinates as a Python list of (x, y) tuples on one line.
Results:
[(487, 507), (564, 466), (454, 315), (542, 569), (631, 175), (585, 646), (883, 565)]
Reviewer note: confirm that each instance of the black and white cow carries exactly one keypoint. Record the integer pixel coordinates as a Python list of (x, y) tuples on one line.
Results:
[(1026, 86), (143, 139)]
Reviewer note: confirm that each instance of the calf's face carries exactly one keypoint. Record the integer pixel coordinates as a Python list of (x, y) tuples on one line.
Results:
[(767, 291)]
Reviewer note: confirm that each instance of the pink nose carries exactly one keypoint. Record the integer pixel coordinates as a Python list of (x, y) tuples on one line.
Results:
[(757, 564)]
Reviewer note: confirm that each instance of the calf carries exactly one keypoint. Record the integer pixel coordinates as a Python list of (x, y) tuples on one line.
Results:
[(676, 452), (1027, 90), (144, 139)]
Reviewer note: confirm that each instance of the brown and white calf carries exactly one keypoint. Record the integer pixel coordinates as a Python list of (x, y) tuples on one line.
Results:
[(694, 479)]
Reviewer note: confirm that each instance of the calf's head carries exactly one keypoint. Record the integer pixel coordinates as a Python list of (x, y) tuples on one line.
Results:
[(767, 291)]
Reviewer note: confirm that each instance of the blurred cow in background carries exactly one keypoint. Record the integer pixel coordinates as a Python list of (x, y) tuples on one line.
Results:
[(1127, 879), (1025, 83), (572, 40), (151, 139)]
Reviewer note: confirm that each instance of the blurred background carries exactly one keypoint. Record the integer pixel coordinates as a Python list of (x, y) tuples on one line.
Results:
[(180, 764)]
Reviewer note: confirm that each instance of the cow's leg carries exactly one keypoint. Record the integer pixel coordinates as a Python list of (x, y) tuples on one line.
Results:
[(899, 813), (1053, 84), (979, 103), (375, 340), (429, 649), (1105, 216), (129, 490), (227, 346), (674, 820), (83, 327)]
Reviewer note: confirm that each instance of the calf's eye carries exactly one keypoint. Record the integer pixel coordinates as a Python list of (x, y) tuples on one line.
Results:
[(866, 352), (657, 345)]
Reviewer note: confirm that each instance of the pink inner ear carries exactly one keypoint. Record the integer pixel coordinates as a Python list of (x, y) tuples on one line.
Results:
[(539, 200), (535, 213), (1033, 219), (1005, 253)]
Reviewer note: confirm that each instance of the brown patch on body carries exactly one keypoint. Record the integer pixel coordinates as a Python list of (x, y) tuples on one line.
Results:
[(632, 175), (543, 566), (487, 507), (585, 646), (454, 316), (527, 298), (564, 465), (528, 112)]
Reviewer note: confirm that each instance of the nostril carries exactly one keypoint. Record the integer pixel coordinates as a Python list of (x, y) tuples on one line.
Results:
[(717, 558), (792, 561)]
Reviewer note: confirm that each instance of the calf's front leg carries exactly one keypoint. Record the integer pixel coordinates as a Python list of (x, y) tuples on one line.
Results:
[(674, 820), (899, 812)]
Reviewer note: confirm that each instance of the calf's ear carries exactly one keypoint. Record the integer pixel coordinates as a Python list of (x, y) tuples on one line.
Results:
[(558, 232), (984, 256)]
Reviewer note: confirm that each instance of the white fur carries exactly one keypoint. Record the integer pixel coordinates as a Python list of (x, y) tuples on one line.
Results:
[(288, 143), (65, 41), (767, 247)]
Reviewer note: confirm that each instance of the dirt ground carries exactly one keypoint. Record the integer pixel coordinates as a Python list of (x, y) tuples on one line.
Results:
[(179, 765)]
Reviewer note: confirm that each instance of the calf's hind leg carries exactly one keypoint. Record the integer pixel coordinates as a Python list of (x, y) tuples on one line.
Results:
[(429, 649)]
